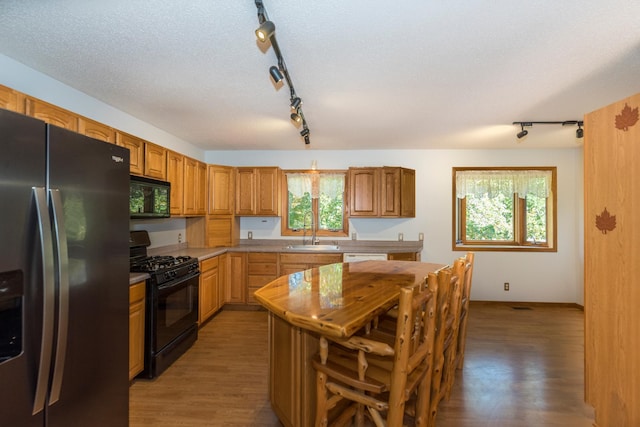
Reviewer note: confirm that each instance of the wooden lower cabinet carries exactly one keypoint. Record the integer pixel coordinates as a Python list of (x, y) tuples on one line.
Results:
[(236, 280), (262, 268), (292, 380), (136, 328), (209, 301)]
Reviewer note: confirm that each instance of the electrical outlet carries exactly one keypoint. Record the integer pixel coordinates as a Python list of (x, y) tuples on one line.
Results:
[(179, 237), (506, 286), (400, 237), (354, 236), (421, 236), (250, 235)]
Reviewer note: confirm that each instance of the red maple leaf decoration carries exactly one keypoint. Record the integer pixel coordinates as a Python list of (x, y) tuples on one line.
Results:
[(627, 118), (605, 222)]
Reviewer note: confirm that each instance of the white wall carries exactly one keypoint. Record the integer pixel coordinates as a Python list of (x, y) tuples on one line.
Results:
[(547, 277), (541, 277)]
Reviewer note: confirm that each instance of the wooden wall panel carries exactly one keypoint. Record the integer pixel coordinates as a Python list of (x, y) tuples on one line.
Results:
[(612, 245)]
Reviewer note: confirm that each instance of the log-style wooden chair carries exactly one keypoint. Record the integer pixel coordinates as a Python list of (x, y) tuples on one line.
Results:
[(464, 309), (379, 372), (449, 297)]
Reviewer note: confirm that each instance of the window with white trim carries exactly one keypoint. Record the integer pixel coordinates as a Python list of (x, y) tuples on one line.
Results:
[(504, 208)]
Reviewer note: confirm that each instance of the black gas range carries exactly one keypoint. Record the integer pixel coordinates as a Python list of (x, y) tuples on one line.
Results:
[(164, 268), (171, 316)]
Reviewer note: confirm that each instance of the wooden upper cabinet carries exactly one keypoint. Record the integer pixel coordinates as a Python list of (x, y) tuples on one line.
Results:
[(268, 191), (221, 190), (136, 151), (51, 114), (258, 191), (11, 100), (195, 187), (201, 188), (245, 191), (364, 190), (382, 192), (175, 175), (155, 161), (397, 192), (96, 130)]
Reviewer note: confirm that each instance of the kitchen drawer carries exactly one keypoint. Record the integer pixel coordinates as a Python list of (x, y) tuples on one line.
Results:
[(256, 281), (208, 264), (270, 257), (262, 264), (319, 259)]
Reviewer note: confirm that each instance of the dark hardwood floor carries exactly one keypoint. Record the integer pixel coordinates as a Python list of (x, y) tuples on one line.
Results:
[(523, 367)]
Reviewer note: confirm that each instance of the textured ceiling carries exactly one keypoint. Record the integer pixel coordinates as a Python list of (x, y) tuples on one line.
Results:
[(372, 74)]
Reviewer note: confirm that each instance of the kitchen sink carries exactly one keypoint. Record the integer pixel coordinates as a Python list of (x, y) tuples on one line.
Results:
[(314, 247)]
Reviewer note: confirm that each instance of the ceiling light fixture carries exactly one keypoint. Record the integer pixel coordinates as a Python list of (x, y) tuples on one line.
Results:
[(295, 103), (276, 75), (523, 132), (267, 31)]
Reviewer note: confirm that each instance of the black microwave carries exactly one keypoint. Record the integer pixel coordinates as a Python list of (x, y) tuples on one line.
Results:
[(149, 198)]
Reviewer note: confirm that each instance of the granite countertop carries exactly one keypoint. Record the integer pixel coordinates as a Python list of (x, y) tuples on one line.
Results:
[(280, 245)]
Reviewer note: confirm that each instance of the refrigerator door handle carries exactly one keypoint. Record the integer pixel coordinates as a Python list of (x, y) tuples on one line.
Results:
[(48, 298), (63, 296)]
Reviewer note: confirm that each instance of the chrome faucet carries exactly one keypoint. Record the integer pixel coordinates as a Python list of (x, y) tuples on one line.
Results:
[(314, 238)]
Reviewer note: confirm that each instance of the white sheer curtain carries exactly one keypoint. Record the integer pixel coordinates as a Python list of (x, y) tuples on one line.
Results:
[(507, 182), (331, 184)]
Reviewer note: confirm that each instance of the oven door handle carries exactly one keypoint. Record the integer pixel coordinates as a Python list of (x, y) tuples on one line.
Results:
[(178, 283)]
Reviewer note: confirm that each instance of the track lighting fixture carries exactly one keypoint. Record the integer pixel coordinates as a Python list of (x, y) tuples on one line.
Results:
[(523, 132), (276, 75), (305, 134), (267, 31), (295, 103)]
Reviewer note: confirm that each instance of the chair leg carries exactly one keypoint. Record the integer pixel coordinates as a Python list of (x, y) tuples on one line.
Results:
[(321, 401), (421, 416)]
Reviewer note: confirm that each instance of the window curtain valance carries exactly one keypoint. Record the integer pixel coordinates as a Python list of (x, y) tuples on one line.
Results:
[(330, 184), (506, 182)]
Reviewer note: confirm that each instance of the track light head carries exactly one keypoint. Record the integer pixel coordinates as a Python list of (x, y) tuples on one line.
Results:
[(276, 75), (579, 132), (296, 117), (295, 103), (522, 133), (305, 132), (265, 31)]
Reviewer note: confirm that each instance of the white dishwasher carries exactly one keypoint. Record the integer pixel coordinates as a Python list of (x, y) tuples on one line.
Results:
[(356, 256)]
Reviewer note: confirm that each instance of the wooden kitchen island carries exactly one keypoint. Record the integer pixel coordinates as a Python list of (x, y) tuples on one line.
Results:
[(333, 300)]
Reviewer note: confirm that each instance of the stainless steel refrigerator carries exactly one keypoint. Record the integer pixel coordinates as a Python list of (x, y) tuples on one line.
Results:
[(64, 229)]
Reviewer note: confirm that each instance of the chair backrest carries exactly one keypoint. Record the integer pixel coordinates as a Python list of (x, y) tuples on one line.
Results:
[(449, 297), (416, 321), (409, 349), (464, 308)]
